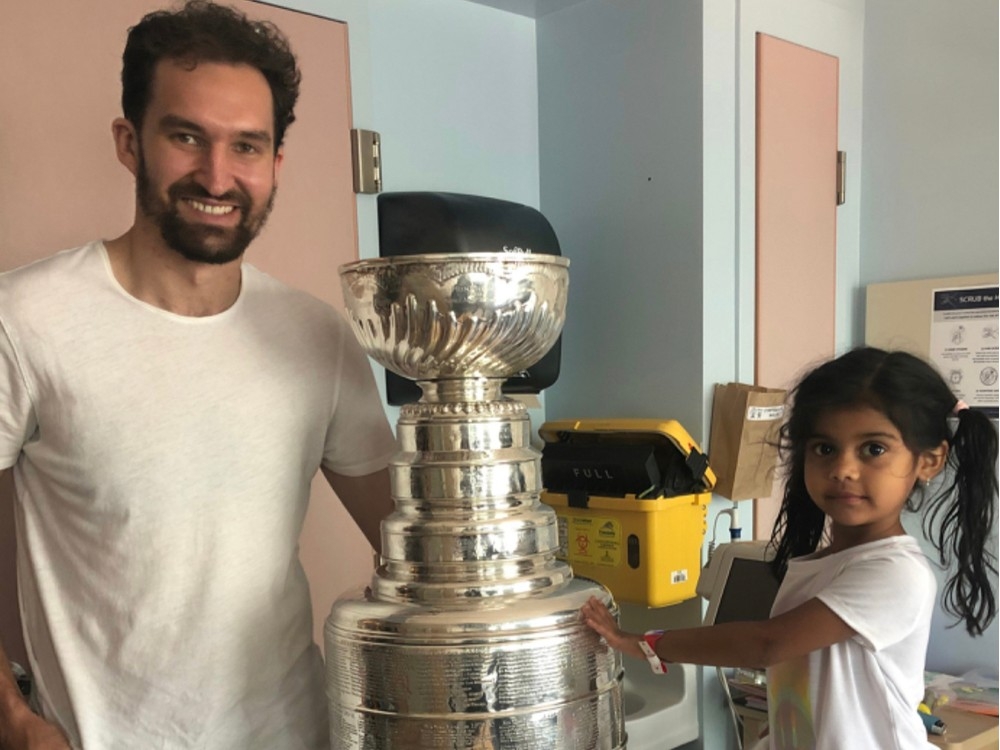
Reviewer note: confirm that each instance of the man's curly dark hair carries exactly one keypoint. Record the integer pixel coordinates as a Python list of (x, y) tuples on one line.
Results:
[(203, 31)]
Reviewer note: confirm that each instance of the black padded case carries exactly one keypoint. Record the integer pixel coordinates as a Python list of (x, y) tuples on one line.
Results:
[(417, 223)]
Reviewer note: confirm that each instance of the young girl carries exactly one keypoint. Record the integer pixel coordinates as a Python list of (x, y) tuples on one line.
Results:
[(870, 433)]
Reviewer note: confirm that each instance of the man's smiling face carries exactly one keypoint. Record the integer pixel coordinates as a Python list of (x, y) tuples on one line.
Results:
[(207, 168)]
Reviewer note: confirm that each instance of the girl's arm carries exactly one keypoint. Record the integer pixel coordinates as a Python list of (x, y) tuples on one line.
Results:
[(808, 627)]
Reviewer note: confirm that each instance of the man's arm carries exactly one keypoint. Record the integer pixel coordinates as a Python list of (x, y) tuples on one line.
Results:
[(20, 727), (367, 498)]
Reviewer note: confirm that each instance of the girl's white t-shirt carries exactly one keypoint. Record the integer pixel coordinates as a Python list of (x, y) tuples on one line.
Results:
[(163, 467), (864, 692)]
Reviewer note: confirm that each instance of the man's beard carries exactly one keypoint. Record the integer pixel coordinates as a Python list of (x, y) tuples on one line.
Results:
[(198, 242)]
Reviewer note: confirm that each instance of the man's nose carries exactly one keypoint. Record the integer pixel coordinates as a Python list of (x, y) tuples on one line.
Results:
[(215, 170)]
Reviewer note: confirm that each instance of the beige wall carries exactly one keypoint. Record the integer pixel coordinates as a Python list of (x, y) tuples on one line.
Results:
[(60, 186)]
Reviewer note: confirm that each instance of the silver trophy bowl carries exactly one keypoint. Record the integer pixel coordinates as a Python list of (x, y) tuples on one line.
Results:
[(469, 636), (477, 315)]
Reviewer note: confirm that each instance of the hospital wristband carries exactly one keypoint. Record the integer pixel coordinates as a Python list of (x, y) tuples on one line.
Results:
[(648, 646)]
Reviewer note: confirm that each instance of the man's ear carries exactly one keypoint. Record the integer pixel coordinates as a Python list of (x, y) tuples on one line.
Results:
[(932, 462), (126, 139), (279, 158)]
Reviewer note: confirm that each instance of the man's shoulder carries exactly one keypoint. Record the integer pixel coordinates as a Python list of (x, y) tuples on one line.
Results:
[(271, 292), (60, 276), (68, 261)]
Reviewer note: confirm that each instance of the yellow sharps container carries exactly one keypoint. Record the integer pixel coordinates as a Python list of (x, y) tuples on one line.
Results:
[(631, 497)]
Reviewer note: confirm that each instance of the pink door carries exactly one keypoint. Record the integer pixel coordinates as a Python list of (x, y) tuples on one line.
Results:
[(61, 186), (796, 218)]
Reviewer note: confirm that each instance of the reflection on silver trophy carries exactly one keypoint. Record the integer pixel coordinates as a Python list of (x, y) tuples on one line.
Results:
[(469, 636)]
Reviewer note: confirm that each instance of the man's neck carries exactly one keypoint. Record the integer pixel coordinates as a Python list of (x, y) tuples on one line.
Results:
[(153, 273)]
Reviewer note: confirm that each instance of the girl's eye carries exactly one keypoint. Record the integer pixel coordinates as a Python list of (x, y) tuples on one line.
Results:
[(873, 450), (822, 449)]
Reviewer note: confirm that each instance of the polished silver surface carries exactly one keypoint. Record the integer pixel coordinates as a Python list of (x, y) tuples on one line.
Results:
[(469, 636), (502, 676), (427, 317)]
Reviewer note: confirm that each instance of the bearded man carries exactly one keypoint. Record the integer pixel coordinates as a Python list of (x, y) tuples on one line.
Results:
[(163, 408)]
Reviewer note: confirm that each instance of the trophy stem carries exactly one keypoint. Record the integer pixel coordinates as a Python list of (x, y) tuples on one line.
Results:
[(461, 390)]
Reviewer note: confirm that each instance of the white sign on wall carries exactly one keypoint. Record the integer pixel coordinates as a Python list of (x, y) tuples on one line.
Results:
[(965, 343)]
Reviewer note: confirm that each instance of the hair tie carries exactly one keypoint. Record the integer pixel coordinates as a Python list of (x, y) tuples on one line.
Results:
[(960, 405)]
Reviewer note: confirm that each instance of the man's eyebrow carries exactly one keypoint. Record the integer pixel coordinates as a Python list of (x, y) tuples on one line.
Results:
[(176, 121)]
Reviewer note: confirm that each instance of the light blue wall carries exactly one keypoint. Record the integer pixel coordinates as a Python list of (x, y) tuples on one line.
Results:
[(930, 196), (929, 186), (620, 147), (456, 98), (451, 86), (622, 121)]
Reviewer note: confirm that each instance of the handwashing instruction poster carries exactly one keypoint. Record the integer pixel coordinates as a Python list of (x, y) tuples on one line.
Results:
[(965, 344)]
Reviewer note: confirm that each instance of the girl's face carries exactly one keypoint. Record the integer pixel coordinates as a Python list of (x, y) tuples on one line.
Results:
[(860, 473)]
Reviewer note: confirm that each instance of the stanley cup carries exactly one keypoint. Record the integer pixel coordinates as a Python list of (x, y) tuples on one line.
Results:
[(469, 637)]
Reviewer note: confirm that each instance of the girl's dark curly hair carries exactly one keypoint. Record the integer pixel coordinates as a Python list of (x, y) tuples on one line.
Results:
[(203, 31), (912, 395)]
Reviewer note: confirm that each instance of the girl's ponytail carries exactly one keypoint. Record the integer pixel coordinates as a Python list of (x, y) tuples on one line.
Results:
[(961, 518)]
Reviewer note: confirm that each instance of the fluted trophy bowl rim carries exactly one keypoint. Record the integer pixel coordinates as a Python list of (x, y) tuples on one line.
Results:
[(440, 316), (435, 258)]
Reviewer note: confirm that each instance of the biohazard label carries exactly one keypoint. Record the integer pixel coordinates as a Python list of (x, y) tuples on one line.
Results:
[(597, 541)]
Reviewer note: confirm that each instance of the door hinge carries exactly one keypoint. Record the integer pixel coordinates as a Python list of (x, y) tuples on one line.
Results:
[(366, 160), (841, 177)]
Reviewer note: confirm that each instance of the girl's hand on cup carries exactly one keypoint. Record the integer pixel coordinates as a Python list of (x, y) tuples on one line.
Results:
[(597, 616)]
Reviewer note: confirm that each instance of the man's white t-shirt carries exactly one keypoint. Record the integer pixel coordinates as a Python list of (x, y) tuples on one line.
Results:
[(162, 466), (864, 692)]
